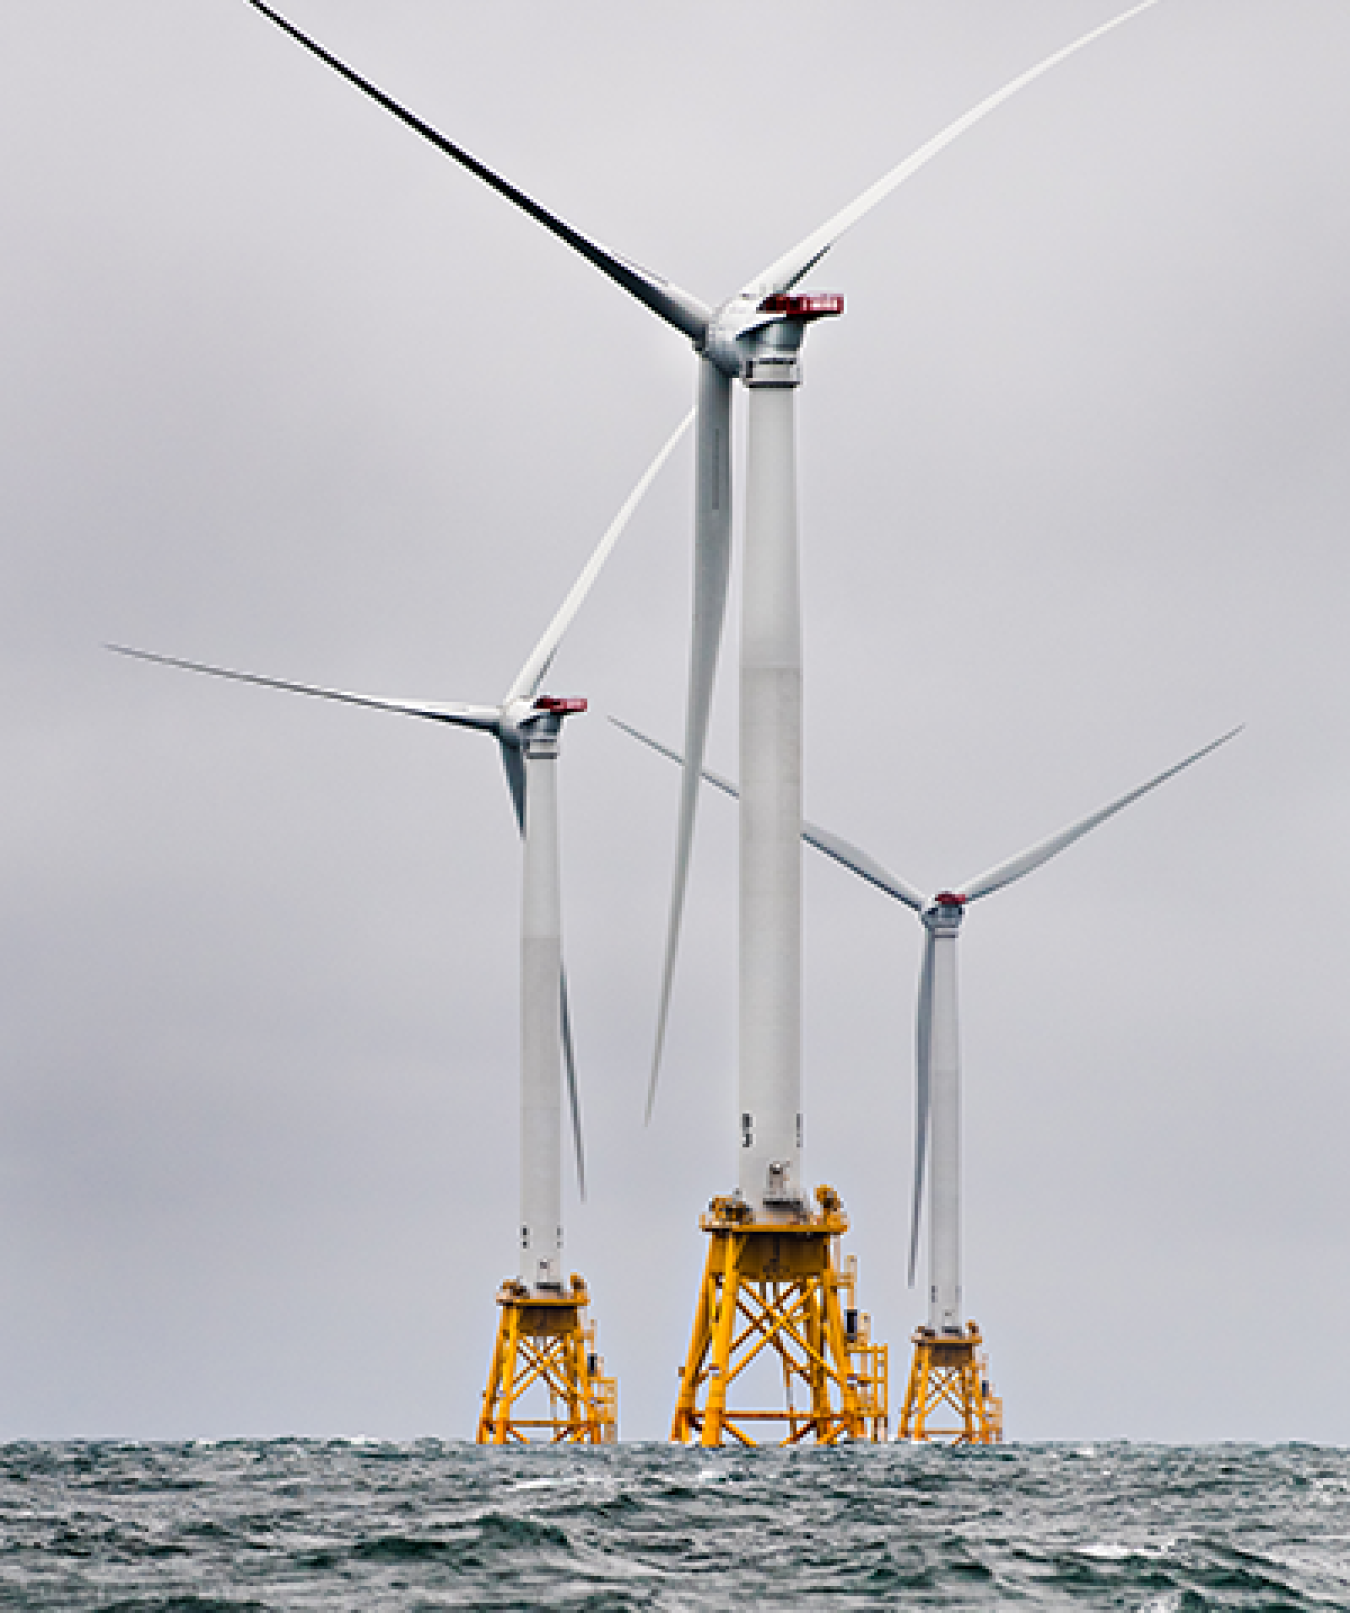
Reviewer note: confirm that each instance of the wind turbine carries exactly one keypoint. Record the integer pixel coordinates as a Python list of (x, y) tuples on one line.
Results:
[(946, 1345), (542, 1336), (753, 336)]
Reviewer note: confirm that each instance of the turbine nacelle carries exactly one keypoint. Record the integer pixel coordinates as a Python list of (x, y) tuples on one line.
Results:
[(523, 720), (748, 328), (943, 914)]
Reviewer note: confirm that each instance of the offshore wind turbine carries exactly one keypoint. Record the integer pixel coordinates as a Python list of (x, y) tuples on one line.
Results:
[(945, 1370), (753, 336), (543, 1336)]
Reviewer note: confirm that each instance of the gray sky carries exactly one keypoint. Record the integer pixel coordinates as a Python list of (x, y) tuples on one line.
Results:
[(284, 389)]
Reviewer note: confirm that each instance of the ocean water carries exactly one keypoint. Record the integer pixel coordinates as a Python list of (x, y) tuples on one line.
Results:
[(371, 1526)]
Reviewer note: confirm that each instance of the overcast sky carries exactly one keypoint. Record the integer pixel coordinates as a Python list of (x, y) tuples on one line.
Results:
[(284, 389)]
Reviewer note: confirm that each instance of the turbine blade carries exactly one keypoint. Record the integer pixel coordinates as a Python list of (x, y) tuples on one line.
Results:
[(712, 565), (486, 717), (513, 764), (857, 861), (786, 271), (1027, 861), (532, 674), (844, 852), (676, 307), (573, 1091), (709, 777), (923, 1073)]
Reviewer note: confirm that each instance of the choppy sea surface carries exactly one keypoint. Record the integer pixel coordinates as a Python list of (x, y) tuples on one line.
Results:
[(371, 1526)]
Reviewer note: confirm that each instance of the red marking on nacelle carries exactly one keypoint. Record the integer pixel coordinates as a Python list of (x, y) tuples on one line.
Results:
[(950, 899), (804, 305), (564, 706)]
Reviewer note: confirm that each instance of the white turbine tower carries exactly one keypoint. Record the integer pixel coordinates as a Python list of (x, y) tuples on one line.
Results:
[(527, 727), (937, 1086)]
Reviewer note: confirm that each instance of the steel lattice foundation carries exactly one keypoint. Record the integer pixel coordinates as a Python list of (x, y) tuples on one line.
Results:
[(545, 1345), (948, 1376), (777, 1286)]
